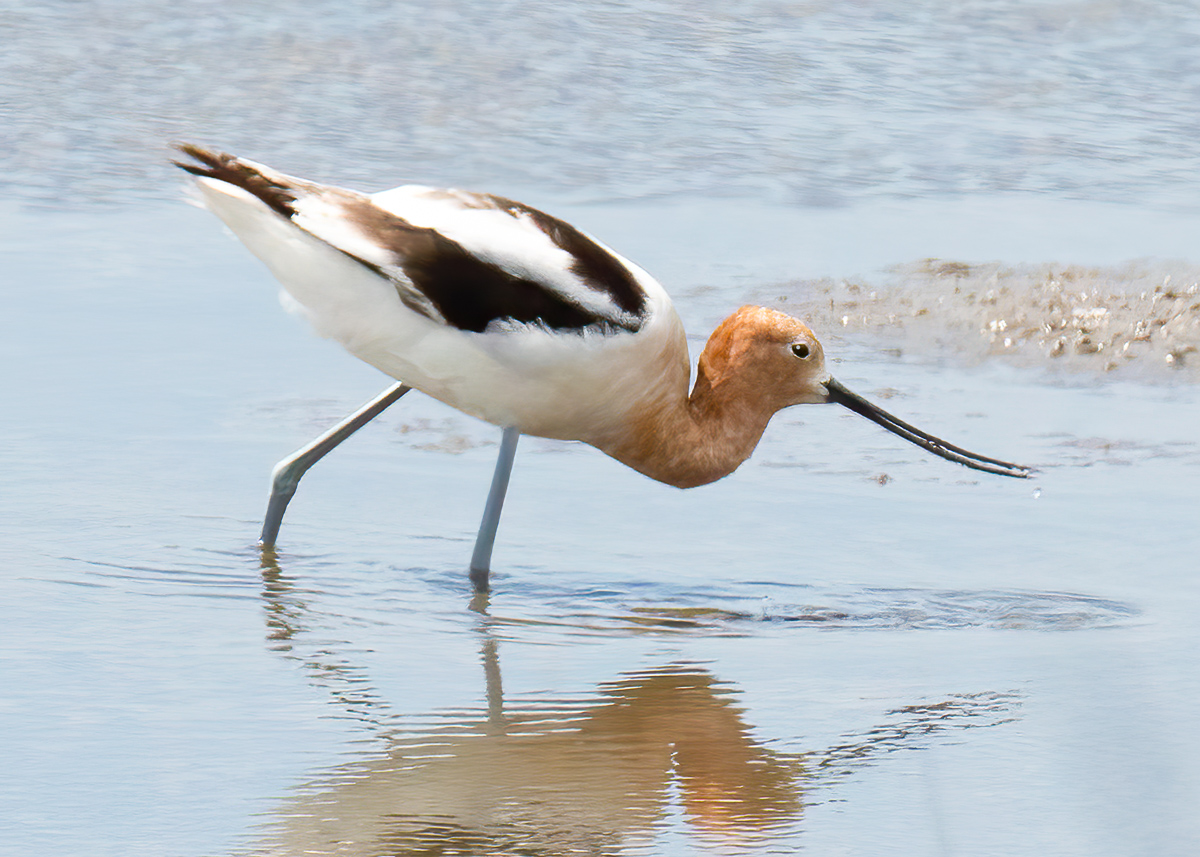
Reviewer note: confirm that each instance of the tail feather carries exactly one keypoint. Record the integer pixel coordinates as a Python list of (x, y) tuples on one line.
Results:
[(247, 175)]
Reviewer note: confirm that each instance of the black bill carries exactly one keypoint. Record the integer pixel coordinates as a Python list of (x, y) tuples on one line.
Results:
[(840, 395)]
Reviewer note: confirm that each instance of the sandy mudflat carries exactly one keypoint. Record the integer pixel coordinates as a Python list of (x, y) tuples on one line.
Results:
[(1141, 320)]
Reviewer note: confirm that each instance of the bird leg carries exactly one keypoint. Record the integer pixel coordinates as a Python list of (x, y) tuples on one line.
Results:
[(287, 473), (481, 559)]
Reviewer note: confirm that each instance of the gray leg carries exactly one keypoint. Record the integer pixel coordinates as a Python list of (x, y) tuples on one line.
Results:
[(481, 559), (287, 473)]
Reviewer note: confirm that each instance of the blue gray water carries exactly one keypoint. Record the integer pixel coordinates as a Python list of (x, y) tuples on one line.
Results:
[(845, 647), (805, 103)]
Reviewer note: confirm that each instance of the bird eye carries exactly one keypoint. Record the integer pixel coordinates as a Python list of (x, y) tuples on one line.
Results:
[(800, 350)]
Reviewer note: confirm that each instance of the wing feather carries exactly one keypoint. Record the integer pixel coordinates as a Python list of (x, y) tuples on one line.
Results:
[(471, 261)]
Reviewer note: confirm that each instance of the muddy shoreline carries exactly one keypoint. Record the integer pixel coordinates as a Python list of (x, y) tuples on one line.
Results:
[(1140, 320)]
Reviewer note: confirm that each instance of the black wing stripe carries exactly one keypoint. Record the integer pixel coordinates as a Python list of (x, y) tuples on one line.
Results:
[(470, 293), (593, 264)]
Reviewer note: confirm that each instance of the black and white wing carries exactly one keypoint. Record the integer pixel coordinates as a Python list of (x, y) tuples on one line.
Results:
[(471, 261)]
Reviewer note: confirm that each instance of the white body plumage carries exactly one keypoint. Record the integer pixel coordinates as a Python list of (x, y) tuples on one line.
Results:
[(579, 384)]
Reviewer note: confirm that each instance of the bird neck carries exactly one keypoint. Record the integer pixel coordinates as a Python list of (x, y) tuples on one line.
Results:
[(688, 441)]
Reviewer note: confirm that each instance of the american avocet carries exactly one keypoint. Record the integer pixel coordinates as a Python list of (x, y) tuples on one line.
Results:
[(520, 319)]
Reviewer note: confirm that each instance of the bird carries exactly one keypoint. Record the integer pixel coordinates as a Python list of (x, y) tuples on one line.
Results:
[(520, 319)]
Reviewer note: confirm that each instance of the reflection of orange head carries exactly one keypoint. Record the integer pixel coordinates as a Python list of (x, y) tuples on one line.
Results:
[(740, 812), (730, 784)]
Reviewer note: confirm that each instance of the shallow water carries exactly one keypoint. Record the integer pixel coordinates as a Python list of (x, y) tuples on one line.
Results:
[(846, 647)]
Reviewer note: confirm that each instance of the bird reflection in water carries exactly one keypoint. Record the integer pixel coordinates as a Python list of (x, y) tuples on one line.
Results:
[(565, 777), (602, 775)]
